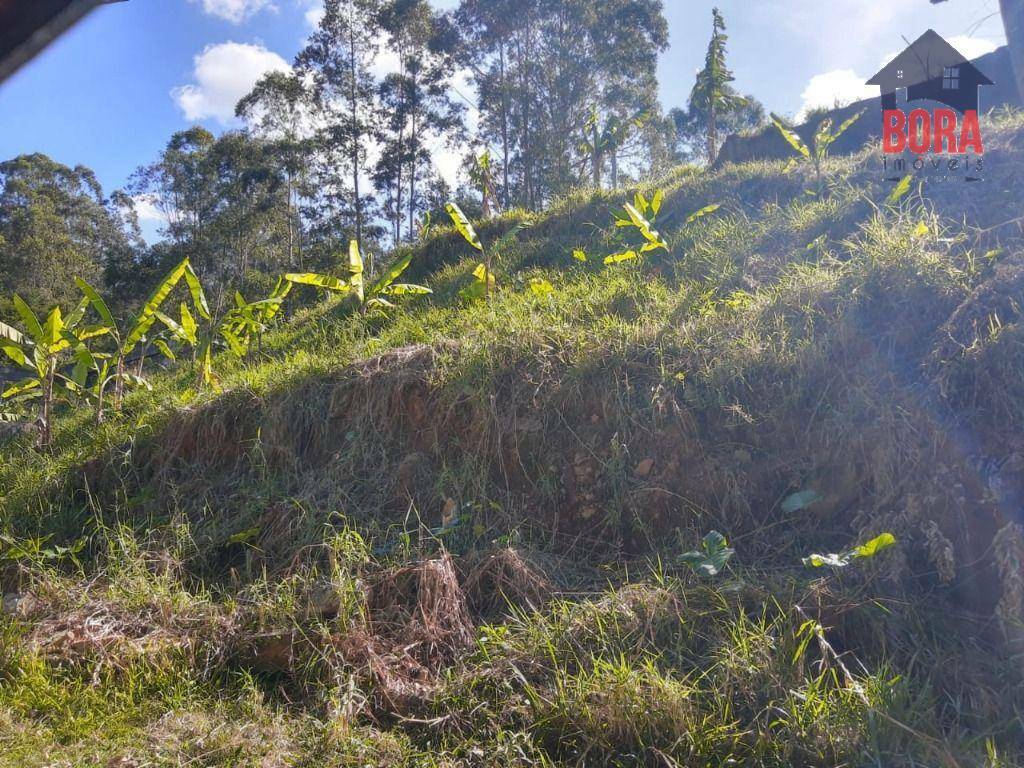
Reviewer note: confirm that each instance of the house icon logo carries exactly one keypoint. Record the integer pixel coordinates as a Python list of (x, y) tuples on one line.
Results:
[(931, 69), (940, 88)]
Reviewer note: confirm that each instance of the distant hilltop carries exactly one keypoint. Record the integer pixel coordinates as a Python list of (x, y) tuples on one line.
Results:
[(767, 144)]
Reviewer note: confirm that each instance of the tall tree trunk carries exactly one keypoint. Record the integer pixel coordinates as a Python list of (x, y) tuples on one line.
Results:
[(712, 133), (46, 428), (354, 128), (507, 202), (615, 169), (525, 116), (414, 151), (1013, 21)]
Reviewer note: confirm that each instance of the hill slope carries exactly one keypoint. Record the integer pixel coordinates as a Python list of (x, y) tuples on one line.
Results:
[(450, 535)]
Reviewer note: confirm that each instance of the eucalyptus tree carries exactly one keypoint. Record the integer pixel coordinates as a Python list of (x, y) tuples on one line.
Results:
[(491, 29), (56, 223), (418, 104), (279, 109), (542, 67), (338, 58)]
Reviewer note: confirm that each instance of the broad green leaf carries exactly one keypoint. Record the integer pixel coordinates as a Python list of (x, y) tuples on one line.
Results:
[(28, 317), (377, 302), (72, 320), (876, 545), (406, 289), (792, 138), (656, 201), (97, 302), (645, 228), (355, 268), (483, 275), (138, 333), (463, 226), (393, 273), (13, 351), (327, 282), (617, 258), (868, 549), (845, 125), (173, 326), (41, 360), (165, 350), (206, 366), (799, 500), (244, 537), (21, 387), (196, 289), (699, 214), (84, 362), (636, 217), (53, 328), (900, 190), (712, 559), (189, 326), (235, 344), (89, 332), (147, 315), (278, 295)]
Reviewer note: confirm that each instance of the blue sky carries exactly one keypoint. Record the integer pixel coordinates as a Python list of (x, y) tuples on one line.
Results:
[(110, 92)]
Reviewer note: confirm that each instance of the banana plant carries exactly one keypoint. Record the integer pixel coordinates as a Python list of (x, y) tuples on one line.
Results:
[(481, 176), (100, 368), (641, 215), (607, 139), (824, 138), (483, 276), (138, 330), (39, 351), (367, 298), (236, 329)]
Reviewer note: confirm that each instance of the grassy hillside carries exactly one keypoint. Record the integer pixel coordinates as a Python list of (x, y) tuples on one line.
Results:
[(450, 535)]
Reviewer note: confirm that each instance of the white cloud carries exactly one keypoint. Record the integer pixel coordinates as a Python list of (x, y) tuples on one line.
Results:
[(314, 11), (314, 15), (235, 11), (224, 73), (386, 62), (972, 47), (836, 88), (147, 210)]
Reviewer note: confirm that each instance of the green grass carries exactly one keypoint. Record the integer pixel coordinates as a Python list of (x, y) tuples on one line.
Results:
[(790, 342)]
